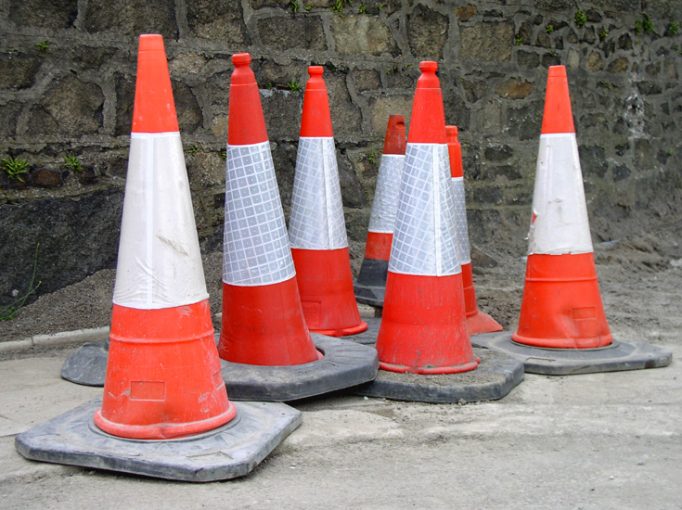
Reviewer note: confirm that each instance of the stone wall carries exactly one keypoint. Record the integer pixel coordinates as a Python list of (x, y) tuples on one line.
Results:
[(67, 71)]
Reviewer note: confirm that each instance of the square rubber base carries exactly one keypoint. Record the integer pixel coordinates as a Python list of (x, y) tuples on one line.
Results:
[(494, 378), (87, 365), (619, 356), (345, 364), (368, 295), (228, 452)]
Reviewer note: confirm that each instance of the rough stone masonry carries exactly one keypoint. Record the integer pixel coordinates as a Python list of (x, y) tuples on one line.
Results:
[(67, 71)]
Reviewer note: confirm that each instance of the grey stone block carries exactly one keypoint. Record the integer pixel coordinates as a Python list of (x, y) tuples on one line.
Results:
[(228, 452), (87, 365)]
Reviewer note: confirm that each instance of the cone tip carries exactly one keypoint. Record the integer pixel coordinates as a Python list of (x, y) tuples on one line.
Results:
[(241, 59), (395, 140), (151, 42), (315, 70), (428, 66), (451, 132), (557, 72)]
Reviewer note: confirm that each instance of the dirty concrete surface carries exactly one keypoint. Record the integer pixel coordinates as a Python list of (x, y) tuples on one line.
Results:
[(590, 441)]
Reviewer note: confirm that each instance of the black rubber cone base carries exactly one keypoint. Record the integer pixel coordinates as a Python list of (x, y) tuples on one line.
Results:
[(619, 356), (228, 452), (494, 378), (369, 295), (370, 286), (87, 365), (345, 364)]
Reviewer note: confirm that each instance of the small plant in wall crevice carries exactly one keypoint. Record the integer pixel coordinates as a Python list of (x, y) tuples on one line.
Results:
[(15, 168)]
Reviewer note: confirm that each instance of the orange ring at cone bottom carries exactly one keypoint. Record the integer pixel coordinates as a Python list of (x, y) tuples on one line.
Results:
[(353, 330), (457, 369), (163, 431)]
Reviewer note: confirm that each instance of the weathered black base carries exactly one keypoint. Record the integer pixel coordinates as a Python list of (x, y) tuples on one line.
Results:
[(619, 356), (371, 283), (228, 452), (87, 365), (345, 364), (494, 378)]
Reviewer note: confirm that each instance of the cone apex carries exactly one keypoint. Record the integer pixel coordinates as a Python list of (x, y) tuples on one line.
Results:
[(557, 117), (427, 123), (315, 70), (154, 109), (451, 132), (151, 42), (557, 72), (396, 139), (241, 59)]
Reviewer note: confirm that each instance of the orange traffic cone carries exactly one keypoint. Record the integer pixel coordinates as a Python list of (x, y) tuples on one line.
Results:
[(477, 321), (562, 327), (423, 327), (371, 283), (317, 229), (562, 307), (163, 375), (263, 322), (160, 294)]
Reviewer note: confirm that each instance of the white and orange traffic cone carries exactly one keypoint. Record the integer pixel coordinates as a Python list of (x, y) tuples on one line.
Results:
[(317, 229), (264, 333), (371, 282), (423, 328), (163, 377), (477, 321), (562, 327)]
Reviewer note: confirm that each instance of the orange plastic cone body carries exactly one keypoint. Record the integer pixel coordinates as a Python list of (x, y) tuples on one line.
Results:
[(262, 321), (477, 322), (378, 245), (562, 306), (163, 373), (318, 239), (423, 326)]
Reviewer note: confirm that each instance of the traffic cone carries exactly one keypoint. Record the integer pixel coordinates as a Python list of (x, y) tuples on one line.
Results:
[(263, 322), (317, 229), (423, 329), (562, 326), (163, 378), (423, 326), (477, 321), (371, 283), (562, 306)]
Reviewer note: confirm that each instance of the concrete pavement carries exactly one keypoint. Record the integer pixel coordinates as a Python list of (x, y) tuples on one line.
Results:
[(590, 441)]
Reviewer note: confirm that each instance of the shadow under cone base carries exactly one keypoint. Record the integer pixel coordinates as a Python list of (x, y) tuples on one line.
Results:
[(494, 378), (87, 365), (345, 364), (227, 452), (616, 357)]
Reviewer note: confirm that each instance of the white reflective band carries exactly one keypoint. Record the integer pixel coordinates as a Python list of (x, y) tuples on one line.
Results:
[(159, 261), (423, 240), (317, 221), (460, 224), (255, 247), (559, 224), (385, 204)]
